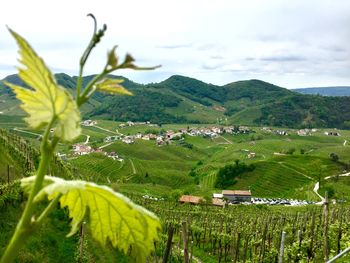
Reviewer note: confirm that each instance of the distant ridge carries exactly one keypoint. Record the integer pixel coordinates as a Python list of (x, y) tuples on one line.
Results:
[(181, 99), (336, 91)]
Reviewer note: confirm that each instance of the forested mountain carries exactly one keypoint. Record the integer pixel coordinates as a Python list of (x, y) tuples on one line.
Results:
[(180, 99), (326, 91)]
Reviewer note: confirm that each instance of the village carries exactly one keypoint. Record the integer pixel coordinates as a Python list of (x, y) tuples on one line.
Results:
[(167, 137), (170, 136)]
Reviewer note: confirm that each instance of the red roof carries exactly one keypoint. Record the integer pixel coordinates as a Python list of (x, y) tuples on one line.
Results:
[(237, 192), (190, 199)]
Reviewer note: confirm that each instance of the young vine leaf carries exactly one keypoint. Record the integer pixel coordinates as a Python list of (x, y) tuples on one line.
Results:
[(111, 215), (112, 86), (46, 101)]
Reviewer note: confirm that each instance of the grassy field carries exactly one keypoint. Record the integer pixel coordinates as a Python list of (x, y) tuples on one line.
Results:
[(286, 166)]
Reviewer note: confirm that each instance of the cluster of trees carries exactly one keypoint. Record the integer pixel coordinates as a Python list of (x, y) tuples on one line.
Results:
[(143, 106), (195, 90), (307, 111), (227, 175)]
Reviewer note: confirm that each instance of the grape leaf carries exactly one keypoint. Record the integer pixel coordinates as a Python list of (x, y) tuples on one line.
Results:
[(111, 215), (46, 100), (112, 86), (112, 58)]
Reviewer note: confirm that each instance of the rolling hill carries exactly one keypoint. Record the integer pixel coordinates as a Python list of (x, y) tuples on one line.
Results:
[(326, 91), (180, 99)]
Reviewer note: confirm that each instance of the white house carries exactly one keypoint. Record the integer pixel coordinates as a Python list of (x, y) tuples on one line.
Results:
[(82, 149), (88, 123)]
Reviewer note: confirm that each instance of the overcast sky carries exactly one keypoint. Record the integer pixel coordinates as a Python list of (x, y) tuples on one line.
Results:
[(293, 44)]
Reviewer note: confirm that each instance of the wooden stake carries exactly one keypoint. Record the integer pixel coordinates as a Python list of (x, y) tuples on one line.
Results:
[(325, 229), (8, 174), (280, 259), (168, 244), (185, 240), (81, 246)]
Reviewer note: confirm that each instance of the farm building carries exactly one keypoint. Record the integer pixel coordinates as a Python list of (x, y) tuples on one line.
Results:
[(237, 195), (218, 202), (88, 123), (190, 199), (81, 149)]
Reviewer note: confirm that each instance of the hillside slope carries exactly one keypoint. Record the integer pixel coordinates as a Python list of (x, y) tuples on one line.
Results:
[(180, 99)]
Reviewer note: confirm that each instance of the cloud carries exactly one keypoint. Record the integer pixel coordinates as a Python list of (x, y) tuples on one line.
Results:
[(283, 58), (216, 57), (210, 66), (289, 43), (175, 46), (334, 48)]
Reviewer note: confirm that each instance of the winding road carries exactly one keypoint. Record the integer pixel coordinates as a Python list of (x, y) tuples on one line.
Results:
[(317, 185), (87, 139)]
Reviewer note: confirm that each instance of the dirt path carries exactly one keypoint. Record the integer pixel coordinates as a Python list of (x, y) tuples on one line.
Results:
[(316, 187), (103, 146), (340, 175), (229, 142), (32, 133), (87, 139), (133, 166), (290, 168), (98, 127)]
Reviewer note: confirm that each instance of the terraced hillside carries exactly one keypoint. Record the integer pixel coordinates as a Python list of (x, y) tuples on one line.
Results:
[(286, 166)]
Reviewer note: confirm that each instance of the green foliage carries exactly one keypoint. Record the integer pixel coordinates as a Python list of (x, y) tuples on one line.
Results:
[(145, 105), (290, 150), (112, 216), (192, 173), (306, 111), (334, 157), (227, 175), (153, 131), (330, 191), (175, 195), (10, 194), (185, 144), (48, 101), (194, 90)]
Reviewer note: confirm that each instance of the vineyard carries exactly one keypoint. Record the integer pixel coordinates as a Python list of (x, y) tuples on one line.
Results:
[(196, 233), (210, 234), (252, 234), (17, 154), (193, 233)]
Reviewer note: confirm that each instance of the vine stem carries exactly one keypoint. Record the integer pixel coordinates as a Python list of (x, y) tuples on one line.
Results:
[(88, 89), (25, 227)]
